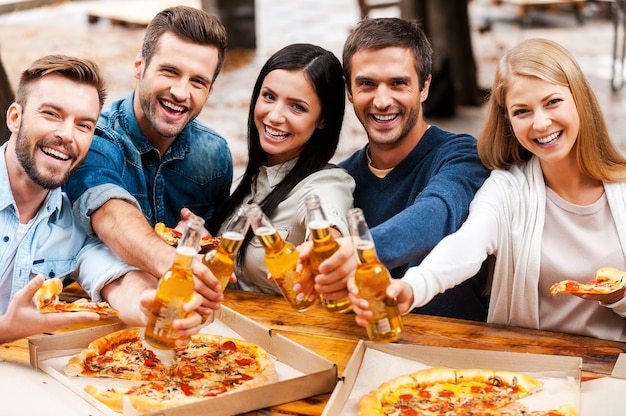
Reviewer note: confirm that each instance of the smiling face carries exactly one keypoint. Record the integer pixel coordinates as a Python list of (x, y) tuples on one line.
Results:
[(386, 96), (544, 118), (173, 87), (286, 114), (54, 129)]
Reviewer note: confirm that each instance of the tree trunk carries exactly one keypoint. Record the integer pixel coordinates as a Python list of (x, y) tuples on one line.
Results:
[(447, 26), (238, 17), (6, 99)]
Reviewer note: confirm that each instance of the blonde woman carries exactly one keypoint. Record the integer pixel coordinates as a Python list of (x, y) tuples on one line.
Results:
[(553, 208)]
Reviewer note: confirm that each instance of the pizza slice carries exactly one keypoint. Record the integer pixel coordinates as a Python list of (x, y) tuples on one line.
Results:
[(171, 237), (145, 397), (47, 300), (608, 280), (444, 391), (223, 363), (117, 355)]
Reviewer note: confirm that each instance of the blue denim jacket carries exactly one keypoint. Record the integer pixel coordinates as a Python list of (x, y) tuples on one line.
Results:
[(196, 172), (54, 246)]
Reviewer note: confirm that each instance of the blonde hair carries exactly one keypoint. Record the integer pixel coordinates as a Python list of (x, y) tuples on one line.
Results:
[(547, 60)]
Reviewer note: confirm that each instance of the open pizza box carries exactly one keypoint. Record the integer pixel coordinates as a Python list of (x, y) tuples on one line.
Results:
[(603, 396), (372, 364), (301, 372)]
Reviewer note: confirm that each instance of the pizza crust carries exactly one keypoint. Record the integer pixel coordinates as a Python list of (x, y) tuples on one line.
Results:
[(48, 292), (608, 280), (210, 365), (442, 391)]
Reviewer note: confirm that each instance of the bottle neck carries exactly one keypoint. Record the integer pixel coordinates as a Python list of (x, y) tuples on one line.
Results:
[(184, 257)]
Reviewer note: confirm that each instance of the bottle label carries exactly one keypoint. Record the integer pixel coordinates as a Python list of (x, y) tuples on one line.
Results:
[(382, 326)]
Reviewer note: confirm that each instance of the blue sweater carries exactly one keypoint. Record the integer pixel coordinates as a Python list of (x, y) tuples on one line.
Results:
[(423, 199)]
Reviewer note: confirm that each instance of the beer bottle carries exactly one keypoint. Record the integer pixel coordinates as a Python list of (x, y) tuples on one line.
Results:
[(175, 289), (221, 260), (372, 279), (281, 259), (324, 245)]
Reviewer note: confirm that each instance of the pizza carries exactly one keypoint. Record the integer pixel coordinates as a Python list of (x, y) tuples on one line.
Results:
[(208, 366), (608, 280), (47, 300), (117, 355), (171, 236), (443, 391)]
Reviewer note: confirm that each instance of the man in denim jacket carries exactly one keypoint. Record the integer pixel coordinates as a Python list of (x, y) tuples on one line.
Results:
[(52, 123), (150, 160)]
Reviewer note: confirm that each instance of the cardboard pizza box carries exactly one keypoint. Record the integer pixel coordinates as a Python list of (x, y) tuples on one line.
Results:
[(301, 372), (372, 364)]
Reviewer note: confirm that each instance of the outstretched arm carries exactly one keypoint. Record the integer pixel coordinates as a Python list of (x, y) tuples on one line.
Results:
[(23, 319), (124, 229)]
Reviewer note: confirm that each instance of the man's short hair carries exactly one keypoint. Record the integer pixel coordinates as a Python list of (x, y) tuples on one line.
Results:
[(187, 23), (83, 71)]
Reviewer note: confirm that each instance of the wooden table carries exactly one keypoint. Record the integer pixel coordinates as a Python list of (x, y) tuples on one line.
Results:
[(335, 337)]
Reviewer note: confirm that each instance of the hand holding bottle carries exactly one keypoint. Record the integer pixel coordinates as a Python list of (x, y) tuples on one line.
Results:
[(397, 290), (175, 289), (324, 246), (281, 260), (372, 279), (185, 327)]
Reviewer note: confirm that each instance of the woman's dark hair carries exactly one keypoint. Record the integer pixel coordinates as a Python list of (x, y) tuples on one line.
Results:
[(324, 72)]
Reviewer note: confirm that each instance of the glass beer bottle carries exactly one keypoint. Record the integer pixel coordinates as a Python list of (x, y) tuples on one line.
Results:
[(281, 259), (221, 260), (324, 245), (175, 289), (372, 279)]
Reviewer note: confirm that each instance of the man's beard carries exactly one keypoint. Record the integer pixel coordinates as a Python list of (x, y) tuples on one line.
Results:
[(27, 160)]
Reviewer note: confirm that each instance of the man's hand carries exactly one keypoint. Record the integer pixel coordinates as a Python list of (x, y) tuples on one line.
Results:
[(399, 290), (334, 271), (23, 319), (205, 283), (185, 327)]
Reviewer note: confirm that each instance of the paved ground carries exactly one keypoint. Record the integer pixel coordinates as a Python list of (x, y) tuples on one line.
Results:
[(63, 28)]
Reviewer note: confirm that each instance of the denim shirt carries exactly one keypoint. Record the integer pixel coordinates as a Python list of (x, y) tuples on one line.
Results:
[(196, 171), (54, 246)]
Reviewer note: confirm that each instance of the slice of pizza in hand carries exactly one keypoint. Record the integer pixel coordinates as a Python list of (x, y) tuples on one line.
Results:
[(47, 301), (171, 236), (608, 280)]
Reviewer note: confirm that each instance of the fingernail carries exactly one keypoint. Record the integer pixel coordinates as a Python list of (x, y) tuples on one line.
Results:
[(299, 296), (296, 287)]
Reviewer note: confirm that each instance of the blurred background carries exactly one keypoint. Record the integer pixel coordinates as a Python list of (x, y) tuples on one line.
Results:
[(468, 38)]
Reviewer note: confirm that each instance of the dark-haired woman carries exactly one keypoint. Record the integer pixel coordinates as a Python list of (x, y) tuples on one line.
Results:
[(294, 122)]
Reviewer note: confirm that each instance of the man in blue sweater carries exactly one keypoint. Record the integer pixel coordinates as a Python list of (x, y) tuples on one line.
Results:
[(414, 181)]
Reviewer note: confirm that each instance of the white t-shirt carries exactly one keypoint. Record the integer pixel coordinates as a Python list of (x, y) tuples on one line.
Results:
[(578, 240)]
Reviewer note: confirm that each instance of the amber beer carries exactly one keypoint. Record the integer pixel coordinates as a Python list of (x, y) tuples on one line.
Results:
[(372, 279), (281, 259), (174, 290), (221, 260), (324, 245)]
